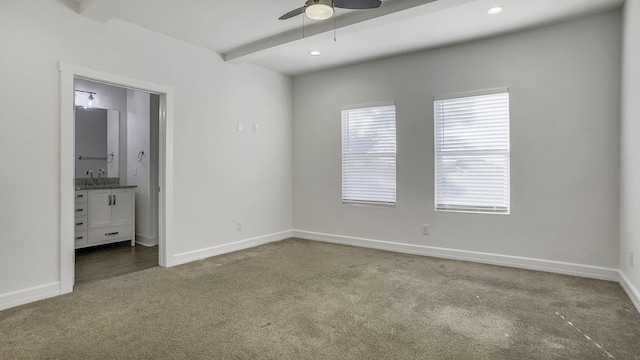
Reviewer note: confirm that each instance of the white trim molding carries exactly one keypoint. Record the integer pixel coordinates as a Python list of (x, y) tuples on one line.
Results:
[(29, 295), (190, 256), (67, 73), (147, 241), (41, 292), (588, 271), (631, 290)]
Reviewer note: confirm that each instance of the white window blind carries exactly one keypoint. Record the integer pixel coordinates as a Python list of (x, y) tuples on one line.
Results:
[(472, 152), (369, 155)]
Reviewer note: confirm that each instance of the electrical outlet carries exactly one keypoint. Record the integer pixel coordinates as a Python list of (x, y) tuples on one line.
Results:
[(239, 125), (631, 259), (255, 127), (425, 229), (239, 225)]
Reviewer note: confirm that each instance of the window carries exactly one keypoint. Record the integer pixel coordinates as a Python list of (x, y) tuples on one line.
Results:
[(369, 155), (472, 152)]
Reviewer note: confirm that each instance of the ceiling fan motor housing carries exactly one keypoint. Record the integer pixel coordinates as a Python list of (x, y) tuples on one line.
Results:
[(324, 2)]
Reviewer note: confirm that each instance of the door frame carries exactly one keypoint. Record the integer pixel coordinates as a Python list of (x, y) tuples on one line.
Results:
[(68, 72)]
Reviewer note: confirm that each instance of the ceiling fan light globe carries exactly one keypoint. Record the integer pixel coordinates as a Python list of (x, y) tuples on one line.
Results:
[(319, 11)]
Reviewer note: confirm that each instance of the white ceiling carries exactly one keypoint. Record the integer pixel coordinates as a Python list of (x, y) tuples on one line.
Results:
[(249, 30)]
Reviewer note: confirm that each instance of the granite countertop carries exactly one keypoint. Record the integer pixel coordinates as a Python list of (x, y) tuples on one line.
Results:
[(106, 186), (100, 183)]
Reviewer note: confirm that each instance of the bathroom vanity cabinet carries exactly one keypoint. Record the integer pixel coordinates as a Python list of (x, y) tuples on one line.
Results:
[(81, 218), (105, 216)]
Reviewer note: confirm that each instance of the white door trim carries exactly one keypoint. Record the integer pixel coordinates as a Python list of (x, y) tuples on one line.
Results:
[(67, 150)]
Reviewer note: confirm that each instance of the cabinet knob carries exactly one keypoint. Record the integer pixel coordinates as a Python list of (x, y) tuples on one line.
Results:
[(78, 224), (111, 234)]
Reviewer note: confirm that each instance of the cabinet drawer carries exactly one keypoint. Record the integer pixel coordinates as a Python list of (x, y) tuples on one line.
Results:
[(81, 222), (81, 196), (110, 233), (81, 239), (81, 209)]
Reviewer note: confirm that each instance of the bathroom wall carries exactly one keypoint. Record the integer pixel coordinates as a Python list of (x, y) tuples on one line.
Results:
[(113, 143), (114, 98), (139, 162), (134, 138), (152, 237)]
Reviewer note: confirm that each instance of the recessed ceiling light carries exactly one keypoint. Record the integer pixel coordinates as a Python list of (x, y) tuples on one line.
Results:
[(495, 10), (314, 53)]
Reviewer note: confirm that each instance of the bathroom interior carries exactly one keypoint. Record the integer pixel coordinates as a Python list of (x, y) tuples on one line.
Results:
[(116, 180)]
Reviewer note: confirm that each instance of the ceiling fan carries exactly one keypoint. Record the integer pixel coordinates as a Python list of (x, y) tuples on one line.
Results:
[(323, 9)]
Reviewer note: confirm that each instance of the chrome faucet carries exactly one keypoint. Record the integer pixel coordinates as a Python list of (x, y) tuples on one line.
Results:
[(90, 172), (101, 171)]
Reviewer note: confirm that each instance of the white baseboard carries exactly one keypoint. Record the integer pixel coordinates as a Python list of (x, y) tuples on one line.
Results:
[(631, 290), (25, 296), (558, 267), (36, 293), (147, 241), (190, 256)]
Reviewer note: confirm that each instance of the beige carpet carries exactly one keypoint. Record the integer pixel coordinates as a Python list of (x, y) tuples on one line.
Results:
[(298, 299)]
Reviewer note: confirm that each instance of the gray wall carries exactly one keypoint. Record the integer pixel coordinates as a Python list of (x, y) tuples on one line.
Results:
[(215, 166), (630, 149), (564, 87)]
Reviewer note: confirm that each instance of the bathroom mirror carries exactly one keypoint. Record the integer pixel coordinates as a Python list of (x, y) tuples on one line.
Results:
[(97, 142)]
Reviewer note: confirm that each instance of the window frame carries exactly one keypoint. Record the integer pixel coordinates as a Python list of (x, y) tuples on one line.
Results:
[(474, 209), (360, 202)]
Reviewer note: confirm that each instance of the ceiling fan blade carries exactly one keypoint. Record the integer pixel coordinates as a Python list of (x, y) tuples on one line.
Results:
[(292, 13), (357, 4)]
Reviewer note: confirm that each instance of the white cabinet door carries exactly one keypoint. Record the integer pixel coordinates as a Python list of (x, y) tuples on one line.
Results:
[(99, 208), (122, 209)]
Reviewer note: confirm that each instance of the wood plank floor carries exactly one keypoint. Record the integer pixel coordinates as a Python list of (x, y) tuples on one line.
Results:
[(106, 261)]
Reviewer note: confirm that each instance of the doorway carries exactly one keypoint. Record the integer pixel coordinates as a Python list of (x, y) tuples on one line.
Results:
[(116, 150), (164, 137)]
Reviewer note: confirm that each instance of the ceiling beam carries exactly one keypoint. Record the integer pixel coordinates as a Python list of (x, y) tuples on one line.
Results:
[(99, 10), (355, 21)]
